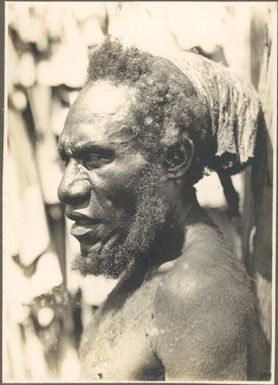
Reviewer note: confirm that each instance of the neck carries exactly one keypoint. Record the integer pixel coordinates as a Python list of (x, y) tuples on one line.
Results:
[(187, 217), (171, 240), (186, 207)]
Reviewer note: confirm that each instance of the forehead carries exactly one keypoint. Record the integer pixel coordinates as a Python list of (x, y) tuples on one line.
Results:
[(99, 115)]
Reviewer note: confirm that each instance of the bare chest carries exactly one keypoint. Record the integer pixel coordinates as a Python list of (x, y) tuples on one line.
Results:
[(117, 346)]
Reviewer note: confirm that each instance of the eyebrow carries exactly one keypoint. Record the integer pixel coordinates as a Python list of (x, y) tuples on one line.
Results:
[(79, 150)]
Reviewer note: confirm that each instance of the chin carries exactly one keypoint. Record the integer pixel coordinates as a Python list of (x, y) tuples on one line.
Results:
[(100, 259), (87, 266)]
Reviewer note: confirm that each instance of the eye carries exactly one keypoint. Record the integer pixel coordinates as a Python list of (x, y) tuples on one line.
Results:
[(93, 161), (96, 160)]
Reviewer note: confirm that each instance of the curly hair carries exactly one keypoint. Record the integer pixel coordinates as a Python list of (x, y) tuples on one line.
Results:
[(167, 107)]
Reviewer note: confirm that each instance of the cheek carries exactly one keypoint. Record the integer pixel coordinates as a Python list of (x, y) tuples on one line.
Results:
[(120, 195), (116, 184), (113, 194)]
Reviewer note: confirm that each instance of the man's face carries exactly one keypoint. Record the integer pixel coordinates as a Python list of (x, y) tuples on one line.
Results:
[(109, 189)]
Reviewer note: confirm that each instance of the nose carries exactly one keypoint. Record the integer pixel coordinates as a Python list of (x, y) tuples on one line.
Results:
[(74, 188)]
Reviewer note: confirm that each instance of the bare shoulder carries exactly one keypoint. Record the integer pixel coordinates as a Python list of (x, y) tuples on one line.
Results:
[(203, 311), (207, 272)]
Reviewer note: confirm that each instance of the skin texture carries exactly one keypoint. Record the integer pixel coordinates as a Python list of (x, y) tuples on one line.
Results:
[(186, 313)]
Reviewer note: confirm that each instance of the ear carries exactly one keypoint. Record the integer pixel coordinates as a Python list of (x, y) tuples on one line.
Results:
[(178, 158)]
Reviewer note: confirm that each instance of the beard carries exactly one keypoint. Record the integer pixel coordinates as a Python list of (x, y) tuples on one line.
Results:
[(149, 235)]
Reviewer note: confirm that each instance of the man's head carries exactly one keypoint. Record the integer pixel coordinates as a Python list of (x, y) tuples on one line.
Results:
[(128, 145), (167, 112)]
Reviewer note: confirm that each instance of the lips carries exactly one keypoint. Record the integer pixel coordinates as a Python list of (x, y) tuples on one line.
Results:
[(83, 226), (87, 231), (81, 229)]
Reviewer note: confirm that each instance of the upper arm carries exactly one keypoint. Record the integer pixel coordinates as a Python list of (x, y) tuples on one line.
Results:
[(202, 331)]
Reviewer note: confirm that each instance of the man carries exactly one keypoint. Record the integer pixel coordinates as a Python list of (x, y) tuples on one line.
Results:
[(137, 139)]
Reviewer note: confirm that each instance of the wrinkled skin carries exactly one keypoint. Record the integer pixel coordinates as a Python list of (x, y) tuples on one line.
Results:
[(183, 309)]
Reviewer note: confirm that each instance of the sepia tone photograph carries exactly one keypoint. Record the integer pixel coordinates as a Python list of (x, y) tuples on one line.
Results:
[(139, 192)]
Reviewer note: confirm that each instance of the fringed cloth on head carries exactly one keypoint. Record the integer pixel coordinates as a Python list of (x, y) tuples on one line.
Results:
[(233, 106)]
